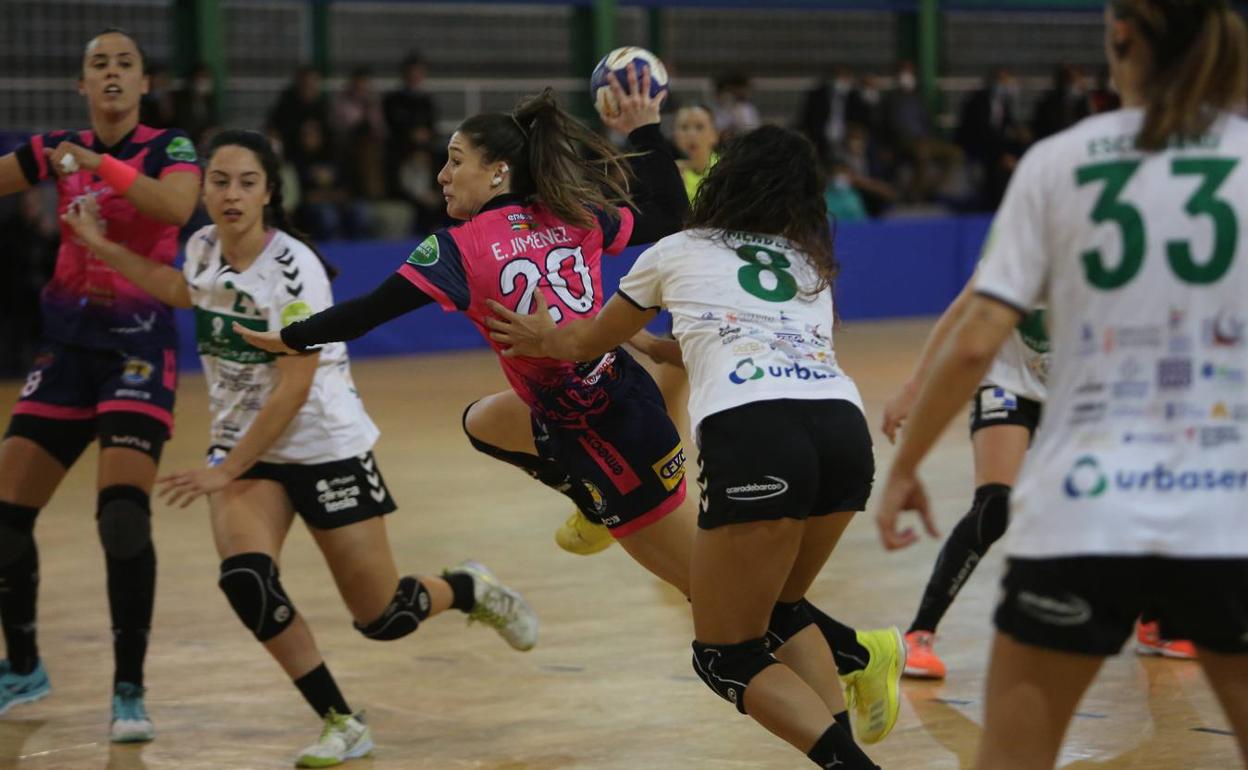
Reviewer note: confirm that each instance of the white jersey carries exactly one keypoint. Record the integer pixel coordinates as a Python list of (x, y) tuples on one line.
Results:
[(1022, 364), (746, 327), (1142, 261), (286, 283)]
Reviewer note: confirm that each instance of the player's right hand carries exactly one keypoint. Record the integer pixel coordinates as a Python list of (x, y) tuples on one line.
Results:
[(636, 108), (897, 408)]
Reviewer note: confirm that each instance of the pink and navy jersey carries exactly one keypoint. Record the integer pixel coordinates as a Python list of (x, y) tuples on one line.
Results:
[(87, 302), (506, 253)]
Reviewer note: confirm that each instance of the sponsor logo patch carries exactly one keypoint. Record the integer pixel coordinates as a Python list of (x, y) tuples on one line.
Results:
[(137, 372), (426, 254), (671, 469), (181, 149), (770, 486)]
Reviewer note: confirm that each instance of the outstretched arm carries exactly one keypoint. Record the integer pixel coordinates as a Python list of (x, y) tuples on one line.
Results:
[(582, 340), (163, 282), (354, 318), (170, 199)]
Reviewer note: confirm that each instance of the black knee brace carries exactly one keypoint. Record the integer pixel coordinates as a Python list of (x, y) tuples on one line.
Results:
[(123, 516), (989, 516), (403, 615), (787, 619), (17, 532), (728, 668), (250, 581)]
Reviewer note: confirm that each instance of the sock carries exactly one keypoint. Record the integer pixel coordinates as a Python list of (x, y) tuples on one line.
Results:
[(546, 471), (982, 526), (850, 656), (842, 719), (463, 598), (131, 597), (836, 749), (19, 589), (321, 692)]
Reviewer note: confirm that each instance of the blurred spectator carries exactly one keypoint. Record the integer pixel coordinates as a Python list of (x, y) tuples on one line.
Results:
[(292, 193), (844, 203), (410, 114), (196, 105), (734, 112), (1064, 105), (357, 110), (992, 135), (302, 102), (1104, 98), (865, 106), (157, 107), (326, 212), (30, 234), (867, 171), (696, 139), (825, 110), (929, 159), (418, 184)]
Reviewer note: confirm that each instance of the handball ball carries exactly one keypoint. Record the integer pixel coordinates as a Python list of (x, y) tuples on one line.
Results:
[(618, 61)]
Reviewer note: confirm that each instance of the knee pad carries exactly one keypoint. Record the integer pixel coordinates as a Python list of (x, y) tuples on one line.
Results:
[(17, 532), (402, 616), (250, 581), (123, 516), (728, 668), (991, 512), (787, 619)]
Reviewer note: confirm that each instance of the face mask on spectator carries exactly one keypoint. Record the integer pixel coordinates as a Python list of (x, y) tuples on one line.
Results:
[(906, 81)]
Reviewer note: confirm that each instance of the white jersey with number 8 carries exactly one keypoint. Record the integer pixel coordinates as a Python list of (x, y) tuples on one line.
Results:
[(741, 310)]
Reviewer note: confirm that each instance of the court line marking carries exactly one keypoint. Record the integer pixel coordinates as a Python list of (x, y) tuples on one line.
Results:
[(57, 751)]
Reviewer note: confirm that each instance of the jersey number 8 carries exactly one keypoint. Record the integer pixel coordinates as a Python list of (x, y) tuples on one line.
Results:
[(532, 274), (1204, 202)]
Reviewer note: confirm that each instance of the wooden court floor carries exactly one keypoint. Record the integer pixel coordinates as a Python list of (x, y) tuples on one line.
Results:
[(608, 687)]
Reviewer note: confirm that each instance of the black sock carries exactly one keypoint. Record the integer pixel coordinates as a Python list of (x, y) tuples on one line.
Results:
[(842, 719), (850, 656), (463, 598), (546, 471), (131, 597), (982, 526), (321, 692), (19, 587), (836, 749)]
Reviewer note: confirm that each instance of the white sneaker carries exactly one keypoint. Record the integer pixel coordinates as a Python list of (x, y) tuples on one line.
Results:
[(130, 721), (342, 738), (499, 607)]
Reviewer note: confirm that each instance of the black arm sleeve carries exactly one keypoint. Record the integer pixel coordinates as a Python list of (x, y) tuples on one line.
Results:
[(659, 194), (355, 317)]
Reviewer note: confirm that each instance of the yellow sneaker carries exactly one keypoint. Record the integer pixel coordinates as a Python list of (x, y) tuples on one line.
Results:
[(874, 692), (581, 536)]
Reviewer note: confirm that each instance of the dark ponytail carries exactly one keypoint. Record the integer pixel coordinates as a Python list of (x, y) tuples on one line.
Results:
[(274, 213), (1199, 65), (555, 159)]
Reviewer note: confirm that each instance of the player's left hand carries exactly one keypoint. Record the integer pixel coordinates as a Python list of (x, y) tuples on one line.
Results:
[(903, 492), (636, 108), (270, 341), (188, 486), (521, 333), (82, 158), (83, 217)]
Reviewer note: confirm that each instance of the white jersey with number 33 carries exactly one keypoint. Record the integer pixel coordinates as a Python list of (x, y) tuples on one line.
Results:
[(741, 310), (1142, 260)]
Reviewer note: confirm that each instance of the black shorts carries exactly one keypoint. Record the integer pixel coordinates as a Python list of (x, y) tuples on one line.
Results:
[(73, 394), (1089, 604), (629, 453), (327, 495), (997, 406), (785, 458)]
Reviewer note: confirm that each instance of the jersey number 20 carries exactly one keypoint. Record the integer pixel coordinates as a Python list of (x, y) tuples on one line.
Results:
[(532, 274), (1110, 207)]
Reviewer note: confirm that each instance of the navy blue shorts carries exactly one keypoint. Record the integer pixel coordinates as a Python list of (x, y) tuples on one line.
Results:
[(629, 454), (73, 394)]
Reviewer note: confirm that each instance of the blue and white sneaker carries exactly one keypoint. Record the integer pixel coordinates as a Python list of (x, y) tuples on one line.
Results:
[(22, 688), (130, 721)]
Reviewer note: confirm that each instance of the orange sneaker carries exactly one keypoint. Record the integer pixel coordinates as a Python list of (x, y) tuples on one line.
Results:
[(922, 662), (1148, 641)]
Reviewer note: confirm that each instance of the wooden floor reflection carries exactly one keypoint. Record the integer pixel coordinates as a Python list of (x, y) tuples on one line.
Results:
[(608, 687)]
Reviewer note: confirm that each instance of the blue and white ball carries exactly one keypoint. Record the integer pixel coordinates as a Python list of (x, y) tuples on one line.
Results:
[(618, 61)]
